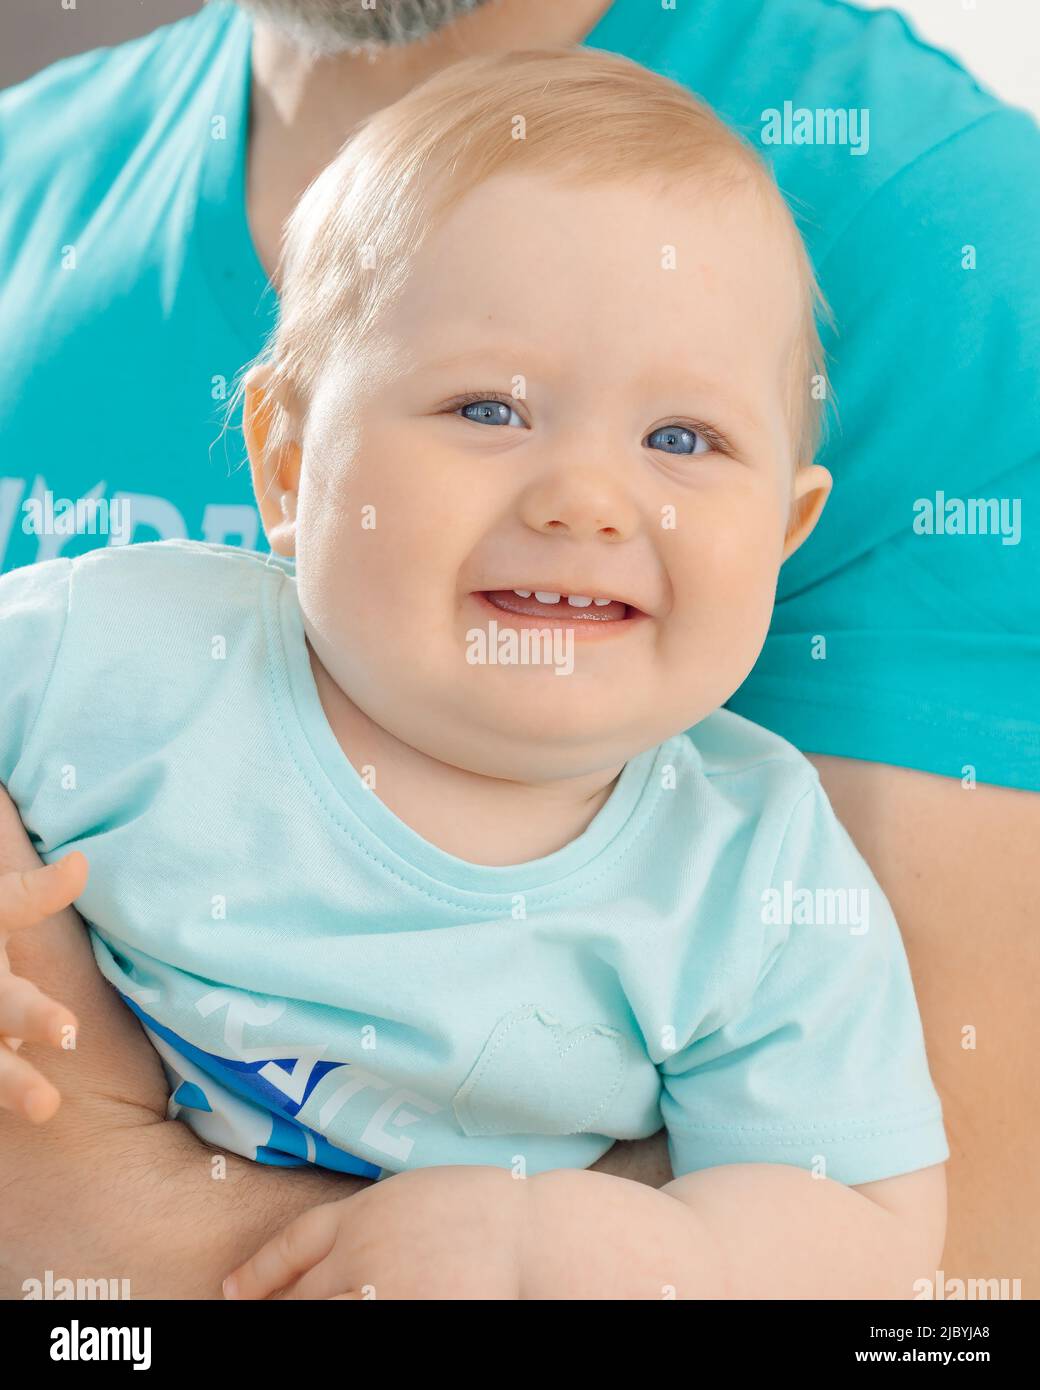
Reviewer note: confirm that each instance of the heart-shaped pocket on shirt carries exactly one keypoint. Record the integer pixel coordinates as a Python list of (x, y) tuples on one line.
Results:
[(534, 1076)]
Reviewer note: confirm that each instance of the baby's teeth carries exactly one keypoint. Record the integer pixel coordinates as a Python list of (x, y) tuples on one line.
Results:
[(602, 602), (578, 600), (522, 593), (546, 597)]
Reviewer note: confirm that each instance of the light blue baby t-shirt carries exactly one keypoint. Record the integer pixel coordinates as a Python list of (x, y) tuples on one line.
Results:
[(326, 986)]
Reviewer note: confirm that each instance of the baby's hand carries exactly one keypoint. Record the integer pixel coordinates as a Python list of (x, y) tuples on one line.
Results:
[(430, 1233), (26, 1013)]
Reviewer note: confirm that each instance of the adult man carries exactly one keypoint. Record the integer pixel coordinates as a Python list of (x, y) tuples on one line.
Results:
[(905, 662)]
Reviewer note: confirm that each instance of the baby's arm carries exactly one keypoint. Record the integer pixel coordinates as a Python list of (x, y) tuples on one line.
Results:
[(746, 1231)]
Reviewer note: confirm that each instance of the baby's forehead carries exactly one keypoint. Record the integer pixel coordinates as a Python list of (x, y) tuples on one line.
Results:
[(590, 211), (595, 262)]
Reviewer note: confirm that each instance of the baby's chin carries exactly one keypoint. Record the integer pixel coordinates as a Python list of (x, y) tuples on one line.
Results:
[(529, 743)]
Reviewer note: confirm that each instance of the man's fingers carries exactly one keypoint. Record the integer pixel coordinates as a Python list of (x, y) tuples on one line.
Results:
[(30, 897), (28, 1015), (302, 1244), (23, 1090)]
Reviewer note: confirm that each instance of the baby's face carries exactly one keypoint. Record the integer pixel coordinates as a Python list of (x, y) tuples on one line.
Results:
[(559, 404)]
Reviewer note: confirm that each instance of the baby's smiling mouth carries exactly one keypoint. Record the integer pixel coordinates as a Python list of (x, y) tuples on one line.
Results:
[(549, 606)]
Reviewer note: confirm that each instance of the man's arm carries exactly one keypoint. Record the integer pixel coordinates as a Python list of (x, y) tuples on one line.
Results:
[(959, 867), (109, 1187), (746, 1231)]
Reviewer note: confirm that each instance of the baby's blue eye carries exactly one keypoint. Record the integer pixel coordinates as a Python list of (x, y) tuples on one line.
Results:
[(491, 412), (677, 439)]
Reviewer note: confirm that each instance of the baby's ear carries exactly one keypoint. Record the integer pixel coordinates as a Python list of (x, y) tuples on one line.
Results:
[(274, 456), (812, 487)]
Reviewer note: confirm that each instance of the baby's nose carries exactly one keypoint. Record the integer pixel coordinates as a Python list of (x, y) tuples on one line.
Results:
[(583, 506)]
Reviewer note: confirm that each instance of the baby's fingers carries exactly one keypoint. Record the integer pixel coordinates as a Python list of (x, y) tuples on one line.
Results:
[(303, 1244), (24, 1090), (30, 1015), (31, 897)]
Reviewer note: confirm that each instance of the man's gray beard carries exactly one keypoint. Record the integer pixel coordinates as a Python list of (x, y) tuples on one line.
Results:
[(344, 26)]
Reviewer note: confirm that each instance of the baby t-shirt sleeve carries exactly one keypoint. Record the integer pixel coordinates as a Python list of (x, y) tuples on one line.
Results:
[(822, 1065), (33, 607)]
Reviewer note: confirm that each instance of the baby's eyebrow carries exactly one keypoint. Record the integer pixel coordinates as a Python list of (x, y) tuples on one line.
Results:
[(685, 385), (700, 389), (515, 359)]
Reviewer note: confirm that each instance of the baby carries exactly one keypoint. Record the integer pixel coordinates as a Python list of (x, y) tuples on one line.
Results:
[(421, 847)]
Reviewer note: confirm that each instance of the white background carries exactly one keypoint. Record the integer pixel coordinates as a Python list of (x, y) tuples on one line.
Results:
[(998, 40)]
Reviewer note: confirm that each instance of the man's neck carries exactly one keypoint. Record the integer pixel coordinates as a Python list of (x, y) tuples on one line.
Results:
[(303, 107)]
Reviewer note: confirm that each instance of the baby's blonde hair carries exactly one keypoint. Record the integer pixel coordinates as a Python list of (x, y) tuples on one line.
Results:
[(588, 116)]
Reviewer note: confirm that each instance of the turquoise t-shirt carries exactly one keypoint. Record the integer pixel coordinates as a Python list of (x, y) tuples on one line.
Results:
[(326, 986), (907, 630)]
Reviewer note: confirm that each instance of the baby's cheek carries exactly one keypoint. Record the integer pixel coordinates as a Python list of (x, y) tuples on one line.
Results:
[(724, 592), (413, 524), (746, 594)]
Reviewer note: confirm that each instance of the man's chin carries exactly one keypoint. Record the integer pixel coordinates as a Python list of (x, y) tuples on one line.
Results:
[(330, 27)]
